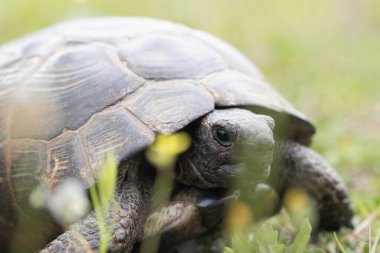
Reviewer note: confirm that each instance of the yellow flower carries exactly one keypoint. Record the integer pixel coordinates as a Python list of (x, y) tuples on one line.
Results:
[(239, 216), (299, 205), (164, 151)]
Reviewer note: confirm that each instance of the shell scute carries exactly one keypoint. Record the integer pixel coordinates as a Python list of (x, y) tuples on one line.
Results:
[(168, 106), (114, 132), (170, 56), (251, 91), (234, 59), (68, 89), (25, 164), (66, 159)]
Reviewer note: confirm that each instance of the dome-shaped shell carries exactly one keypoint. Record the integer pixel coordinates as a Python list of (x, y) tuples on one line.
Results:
[(75, 91)]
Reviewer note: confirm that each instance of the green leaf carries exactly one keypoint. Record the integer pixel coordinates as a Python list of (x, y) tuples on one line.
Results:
[(302, 238), (228, 250), (241, 244), (266, 240), (314, 250)]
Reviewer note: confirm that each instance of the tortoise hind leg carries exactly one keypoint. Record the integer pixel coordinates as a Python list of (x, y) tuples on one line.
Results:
[(128, 214), (300, 167)]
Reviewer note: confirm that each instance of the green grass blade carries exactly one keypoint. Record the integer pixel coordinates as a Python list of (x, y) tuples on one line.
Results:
[(376, 242), (339, 243)]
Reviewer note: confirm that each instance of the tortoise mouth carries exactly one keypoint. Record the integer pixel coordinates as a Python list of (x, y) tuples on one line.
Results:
[(246, 174), (222, 171)]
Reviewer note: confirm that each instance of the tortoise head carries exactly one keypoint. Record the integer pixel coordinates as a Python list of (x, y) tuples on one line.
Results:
[(228, 144)]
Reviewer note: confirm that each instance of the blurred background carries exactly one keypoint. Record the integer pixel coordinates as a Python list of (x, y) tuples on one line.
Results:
[(323, 56)]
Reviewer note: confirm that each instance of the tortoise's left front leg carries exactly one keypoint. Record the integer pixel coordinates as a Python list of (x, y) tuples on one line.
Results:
[(300, 167), (128, 214)]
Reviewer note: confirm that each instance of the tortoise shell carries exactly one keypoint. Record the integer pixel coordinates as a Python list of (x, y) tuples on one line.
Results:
[(83, 88)]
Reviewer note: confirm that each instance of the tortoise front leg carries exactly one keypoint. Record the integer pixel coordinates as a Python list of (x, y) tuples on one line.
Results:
[(300, 167), (128, 214)]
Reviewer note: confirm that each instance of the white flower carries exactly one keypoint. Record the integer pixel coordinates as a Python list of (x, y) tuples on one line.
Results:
[(68, 202)]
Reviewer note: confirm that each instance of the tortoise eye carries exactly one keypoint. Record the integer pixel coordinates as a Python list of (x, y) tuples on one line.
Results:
[(222, 136)]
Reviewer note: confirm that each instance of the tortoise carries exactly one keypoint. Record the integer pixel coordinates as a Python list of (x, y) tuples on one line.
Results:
[(79, 89)]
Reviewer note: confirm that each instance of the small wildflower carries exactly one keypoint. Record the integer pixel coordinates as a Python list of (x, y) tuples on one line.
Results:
[(68, 202), (163, 152), (38, 197), (240, 215), (299, 205)]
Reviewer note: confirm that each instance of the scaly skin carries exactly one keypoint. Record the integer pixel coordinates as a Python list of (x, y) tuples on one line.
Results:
[(129, 214), (300, 167)]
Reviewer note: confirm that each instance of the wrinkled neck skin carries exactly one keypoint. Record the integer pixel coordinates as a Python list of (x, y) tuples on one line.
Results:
[(209, 164), (201, 165)]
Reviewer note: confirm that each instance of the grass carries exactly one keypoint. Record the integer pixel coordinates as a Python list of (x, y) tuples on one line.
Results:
[(323, 56), (102, 197)]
